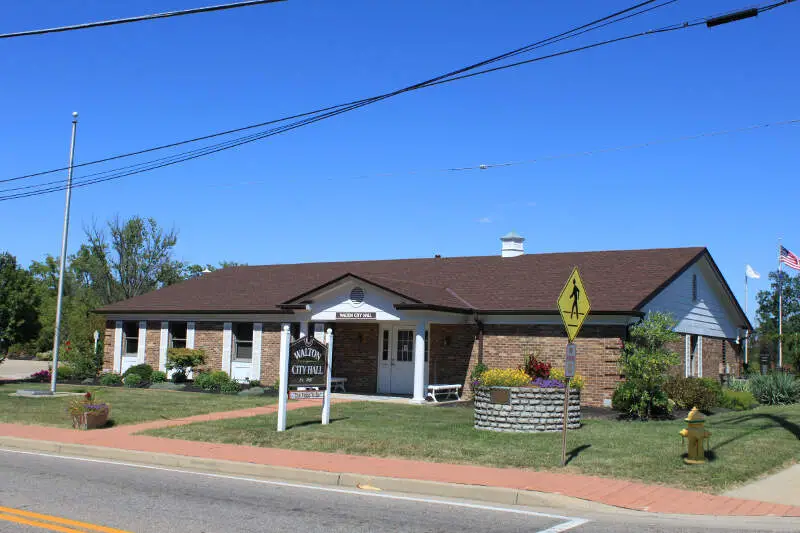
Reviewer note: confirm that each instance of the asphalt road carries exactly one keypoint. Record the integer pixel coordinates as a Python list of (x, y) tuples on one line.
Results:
[(69, 495)]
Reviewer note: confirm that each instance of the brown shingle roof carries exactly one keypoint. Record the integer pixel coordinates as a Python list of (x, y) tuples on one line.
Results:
[(616, 281)]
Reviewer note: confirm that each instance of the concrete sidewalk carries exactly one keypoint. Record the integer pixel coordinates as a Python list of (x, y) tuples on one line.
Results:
[(12, 369), (121, 444), (783, 487)]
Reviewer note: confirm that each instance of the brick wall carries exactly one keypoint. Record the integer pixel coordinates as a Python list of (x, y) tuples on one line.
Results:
[(453, 352), (598, 347), (355, 356), (712, 356), (208, 337), (270, 353), (152, 343), (108, 346)]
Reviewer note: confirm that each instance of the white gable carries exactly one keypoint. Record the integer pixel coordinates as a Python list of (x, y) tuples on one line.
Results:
[(336, 299), (712, 314)]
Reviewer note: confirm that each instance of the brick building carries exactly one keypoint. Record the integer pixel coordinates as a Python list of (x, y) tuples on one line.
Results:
[(399, 325)]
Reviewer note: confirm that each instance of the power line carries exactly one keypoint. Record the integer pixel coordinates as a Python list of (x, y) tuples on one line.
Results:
[(574, 32), (568, 155), (141, 18), (178, 158)]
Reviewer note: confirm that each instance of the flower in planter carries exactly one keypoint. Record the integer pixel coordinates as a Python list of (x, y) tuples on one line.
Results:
[(88, 413), (547, 383)]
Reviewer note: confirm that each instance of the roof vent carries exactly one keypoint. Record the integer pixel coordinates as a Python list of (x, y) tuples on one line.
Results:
[(357, 296), (512, 245)]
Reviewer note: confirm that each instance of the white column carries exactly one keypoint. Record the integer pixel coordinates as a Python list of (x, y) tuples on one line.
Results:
[(255, 365), (699, 356), (303, 329), (117, 346), (283, 377), (190, 335), (162, 347), (419, 364), (142, 342), (326, 403), (687, 356), (227, 340)]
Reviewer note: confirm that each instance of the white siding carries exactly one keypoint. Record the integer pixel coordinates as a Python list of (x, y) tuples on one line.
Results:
[(712, 314)]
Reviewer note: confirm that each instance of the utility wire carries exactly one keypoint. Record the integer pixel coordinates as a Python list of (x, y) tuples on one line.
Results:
[(599, 23), (281, 129), (141, 18)]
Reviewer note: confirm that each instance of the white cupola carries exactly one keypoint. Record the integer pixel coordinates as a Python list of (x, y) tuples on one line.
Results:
[(512, 245)]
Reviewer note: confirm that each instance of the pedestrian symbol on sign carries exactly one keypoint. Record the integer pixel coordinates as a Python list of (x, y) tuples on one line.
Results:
[(573, 304)]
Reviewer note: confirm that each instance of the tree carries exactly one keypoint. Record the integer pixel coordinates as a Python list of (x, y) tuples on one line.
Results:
[(645, 362), (767, 318), (18, 300), (137, 260)]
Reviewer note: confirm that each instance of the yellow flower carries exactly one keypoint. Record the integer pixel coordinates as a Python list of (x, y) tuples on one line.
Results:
[(505, 377), (576, 382)]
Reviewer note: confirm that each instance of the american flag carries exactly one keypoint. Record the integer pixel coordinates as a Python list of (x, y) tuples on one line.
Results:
[(789, 259)]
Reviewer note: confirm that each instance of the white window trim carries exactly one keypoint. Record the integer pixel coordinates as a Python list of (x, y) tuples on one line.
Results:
[(699, 356), (190, 335), (255, 366), (162, 347), (227, 342), (140, 355), (117, 346), (687, 364)]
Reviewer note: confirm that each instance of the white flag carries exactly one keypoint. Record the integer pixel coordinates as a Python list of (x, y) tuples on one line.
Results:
[(750, 273)]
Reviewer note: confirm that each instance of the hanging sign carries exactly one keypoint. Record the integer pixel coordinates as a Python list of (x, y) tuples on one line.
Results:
[(307, 363), (306, 394)]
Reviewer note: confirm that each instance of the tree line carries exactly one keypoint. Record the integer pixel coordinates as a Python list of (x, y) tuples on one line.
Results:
[(119, 260)]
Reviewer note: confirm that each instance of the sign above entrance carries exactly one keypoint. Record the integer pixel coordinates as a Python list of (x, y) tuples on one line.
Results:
[(573, 304), (307, 363), (349, 315)]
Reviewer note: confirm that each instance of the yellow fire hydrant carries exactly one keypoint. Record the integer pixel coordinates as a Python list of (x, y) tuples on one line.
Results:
[(697, 436)]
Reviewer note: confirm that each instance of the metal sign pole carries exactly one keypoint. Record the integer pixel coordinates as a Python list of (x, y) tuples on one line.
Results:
[(326, 403), (283, 387), (564, 431)]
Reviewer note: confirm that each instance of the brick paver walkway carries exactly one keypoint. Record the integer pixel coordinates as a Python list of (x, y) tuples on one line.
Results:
[(618, 493)]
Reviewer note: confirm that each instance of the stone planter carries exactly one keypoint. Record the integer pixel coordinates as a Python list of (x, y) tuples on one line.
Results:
[(91, 420), (528, 409)]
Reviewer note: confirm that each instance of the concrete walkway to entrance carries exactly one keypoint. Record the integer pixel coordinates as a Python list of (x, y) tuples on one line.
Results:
[(625, 494), (783, 487)]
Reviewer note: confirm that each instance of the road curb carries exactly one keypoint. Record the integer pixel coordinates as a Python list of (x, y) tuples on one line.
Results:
[(495, 495)]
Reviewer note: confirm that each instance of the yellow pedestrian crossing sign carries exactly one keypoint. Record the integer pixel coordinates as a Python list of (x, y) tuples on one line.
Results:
[(573, 304)]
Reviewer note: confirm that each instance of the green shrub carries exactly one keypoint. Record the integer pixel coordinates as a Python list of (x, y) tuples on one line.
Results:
[(45, 356), (110, 379), (202, 380), (212, 381), (230, 387), (179, 376), (739, 385), (628, 398), (144, 371), (475, 376), (182, 359), (134, 380), (693, 392), (776, 388), (645, 362), (737, 400), (64, 372), (84, 365), (253, 383), (158, 377)]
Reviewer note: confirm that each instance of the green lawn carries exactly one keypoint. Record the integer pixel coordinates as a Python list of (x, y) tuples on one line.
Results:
[(744, 445), (128, 406)]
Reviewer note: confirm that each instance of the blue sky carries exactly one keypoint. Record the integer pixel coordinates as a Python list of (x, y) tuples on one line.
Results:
[(365, 185)]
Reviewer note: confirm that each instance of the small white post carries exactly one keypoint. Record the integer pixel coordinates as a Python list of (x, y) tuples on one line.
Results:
[(326, 403), (96, 338), (283, 387)]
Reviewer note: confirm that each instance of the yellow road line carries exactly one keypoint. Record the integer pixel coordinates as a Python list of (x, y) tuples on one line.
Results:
[(8, 514)]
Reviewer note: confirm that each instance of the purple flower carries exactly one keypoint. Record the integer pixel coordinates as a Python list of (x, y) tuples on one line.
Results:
[(547, 383)]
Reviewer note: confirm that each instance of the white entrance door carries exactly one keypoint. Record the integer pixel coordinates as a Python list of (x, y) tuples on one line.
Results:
[(402, 362), (385, 361)]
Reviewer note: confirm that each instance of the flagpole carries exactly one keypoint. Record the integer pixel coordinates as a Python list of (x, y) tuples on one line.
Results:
[(780, 307), (746, 331)]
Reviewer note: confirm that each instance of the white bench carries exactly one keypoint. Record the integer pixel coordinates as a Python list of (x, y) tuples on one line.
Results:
[(337, 384), (449, 390)]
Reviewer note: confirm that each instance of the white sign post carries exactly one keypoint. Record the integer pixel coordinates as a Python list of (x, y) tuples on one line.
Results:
[(283, 387), (326, 403)]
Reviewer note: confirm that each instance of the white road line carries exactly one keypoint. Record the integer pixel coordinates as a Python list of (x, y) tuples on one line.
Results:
[(570, 522)]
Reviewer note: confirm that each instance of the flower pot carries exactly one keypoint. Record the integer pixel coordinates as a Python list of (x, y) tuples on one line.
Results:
[(91, 419)]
